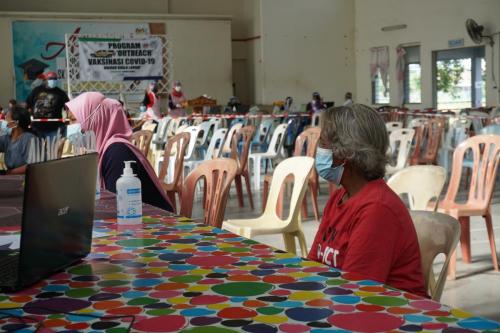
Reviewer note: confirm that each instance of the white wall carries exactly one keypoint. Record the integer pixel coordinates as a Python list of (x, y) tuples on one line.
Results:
[(202, 57), (245, 16), (6, 63), (87, 6), (431, 23), (304, 46), (307, 46), (201, 50)]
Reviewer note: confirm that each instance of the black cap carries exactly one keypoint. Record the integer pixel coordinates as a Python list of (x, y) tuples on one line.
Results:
[(32, 68)]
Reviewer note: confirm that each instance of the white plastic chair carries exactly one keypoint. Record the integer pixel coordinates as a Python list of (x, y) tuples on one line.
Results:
[(194, 131), (160, 137), (269, 222), (456, 134), (226, 148), (477, 120), (272, 152), (437, 233), (393, 125), (208, 128), (172, 127), (181, 129), (262, 135), (417, 122), (36, 151), (315, 119), (404, 136), (213, 150), (422, 183), (205, 128)]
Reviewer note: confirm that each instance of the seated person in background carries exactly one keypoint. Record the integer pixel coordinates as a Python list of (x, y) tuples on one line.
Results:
[(366, 229), (151, 102), (316, 104), (232, 105), (12, 104), (348, 99), (106, 118), (15, 144), (176, 100)]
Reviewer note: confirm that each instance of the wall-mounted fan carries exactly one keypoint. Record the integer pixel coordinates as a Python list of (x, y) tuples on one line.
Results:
[(476, 33)]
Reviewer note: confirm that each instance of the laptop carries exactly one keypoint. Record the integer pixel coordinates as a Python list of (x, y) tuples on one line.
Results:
[(56, 221)]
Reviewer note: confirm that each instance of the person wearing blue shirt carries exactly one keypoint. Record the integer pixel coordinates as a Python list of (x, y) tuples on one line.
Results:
[(15, 144)]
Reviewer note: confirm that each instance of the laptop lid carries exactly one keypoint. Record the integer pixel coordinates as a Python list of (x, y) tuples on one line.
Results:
[(58, 213)]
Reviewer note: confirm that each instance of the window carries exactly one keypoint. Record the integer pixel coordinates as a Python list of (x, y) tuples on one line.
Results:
[(412, 76), (378, 91), (459, 78), (379, 70)]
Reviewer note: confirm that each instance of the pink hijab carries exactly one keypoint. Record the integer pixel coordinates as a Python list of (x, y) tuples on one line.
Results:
[(107, 119)]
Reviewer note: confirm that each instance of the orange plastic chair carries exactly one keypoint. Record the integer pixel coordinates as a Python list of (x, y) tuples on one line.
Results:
[(431, 133), (217, 175), (174, 150), (142, 140), (486, 156), (307, 140), (245, 134)]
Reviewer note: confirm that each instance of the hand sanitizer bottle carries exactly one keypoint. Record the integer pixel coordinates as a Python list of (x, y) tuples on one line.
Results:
[(129, 198)]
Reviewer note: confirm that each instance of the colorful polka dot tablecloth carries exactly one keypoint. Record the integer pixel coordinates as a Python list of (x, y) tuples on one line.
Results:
[(172, 274)]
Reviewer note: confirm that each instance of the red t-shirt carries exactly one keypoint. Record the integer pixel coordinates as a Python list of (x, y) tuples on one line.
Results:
[(371, 234)]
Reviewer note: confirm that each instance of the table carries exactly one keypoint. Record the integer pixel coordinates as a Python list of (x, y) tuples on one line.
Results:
[(174, 274)]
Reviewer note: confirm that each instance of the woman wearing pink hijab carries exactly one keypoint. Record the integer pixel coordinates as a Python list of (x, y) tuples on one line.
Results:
[(107, 119)]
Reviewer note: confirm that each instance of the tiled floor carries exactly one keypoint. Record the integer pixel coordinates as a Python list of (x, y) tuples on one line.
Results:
[(477, 287)]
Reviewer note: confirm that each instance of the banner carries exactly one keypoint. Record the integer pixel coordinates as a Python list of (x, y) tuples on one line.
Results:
[(39, 46), (118, 59)]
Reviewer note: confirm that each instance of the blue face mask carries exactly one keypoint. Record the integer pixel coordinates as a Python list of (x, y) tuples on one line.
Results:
[(325, 168), (73, 129), (51, 83), (6, 130), (3, 126)]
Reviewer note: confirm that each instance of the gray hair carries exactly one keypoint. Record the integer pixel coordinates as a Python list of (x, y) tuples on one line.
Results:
[(357, 134)]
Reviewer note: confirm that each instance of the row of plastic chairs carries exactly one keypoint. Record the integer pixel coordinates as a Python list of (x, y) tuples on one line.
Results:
[(423, 143), (424, 184), (176, 158), (45, 149)]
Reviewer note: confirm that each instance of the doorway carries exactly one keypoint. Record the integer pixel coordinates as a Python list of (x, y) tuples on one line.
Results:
[(459, 78), (240, 80)]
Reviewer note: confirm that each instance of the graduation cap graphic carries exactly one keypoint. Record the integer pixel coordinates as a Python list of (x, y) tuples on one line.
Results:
[(32, 68)]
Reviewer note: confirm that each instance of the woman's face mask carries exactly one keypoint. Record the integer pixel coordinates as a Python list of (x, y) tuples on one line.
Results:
[(178, 88), (325, 168), (51, 83), (73, 129), (4, 129)]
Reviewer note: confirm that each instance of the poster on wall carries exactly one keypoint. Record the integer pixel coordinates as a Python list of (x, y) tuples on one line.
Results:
[(119, 59), (39, 46)]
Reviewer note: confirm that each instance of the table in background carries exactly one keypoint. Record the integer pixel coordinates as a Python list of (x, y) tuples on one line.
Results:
[(173, 274)]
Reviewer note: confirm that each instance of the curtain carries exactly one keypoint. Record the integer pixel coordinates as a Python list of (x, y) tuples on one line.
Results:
[(379, 60), (400, 74)]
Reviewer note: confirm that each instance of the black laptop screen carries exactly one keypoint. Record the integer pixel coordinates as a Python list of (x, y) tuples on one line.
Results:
[(58, 214)]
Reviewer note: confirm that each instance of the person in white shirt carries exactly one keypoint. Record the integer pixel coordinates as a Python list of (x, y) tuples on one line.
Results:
[(348, 99)]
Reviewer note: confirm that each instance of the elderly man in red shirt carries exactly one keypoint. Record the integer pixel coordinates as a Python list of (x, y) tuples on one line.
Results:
[(366, 229)]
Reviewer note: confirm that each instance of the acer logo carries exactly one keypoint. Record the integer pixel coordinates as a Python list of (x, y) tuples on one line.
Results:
[(63, 211)]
